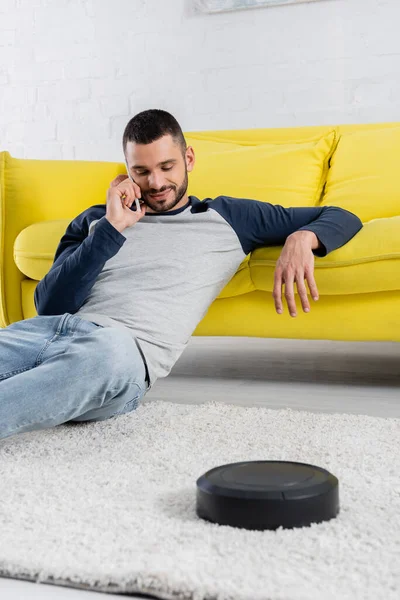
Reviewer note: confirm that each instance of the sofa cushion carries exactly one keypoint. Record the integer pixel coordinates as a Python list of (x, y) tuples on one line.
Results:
[(365, 264), (363, 176), (203, 146), (36, 245), (286, 174), (272, 135)]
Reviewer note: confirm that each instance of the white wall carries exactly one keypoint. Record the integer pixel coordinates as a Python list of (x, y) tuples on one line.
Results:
[(73, 72)]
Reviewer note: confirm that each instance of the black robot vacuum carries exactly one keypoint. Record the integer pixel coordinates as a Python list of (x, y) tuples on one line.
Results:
[(267, 494)]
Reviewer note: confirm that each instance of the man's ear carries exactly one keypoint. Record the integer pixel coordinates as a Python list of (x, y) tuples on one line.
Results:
[(118, 180), (190, 158)]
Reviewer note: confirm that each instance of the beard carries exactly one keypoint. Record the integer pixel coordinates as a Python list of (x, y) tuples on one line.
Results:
[(175, 196)]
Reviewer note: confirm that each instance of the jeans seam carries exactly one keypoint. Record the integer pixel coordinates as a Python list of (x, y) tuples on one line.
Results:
[(4, 376), (39, 357), (61, 324)]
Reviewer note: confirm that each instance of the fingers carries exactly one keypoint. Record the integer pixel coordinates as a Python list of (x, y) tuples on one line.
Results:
[(288, 278), (137, 189), (289, 294), (277, 293), (128, 191), (302, 291), (289, 291), (312, 285), (118, 179)]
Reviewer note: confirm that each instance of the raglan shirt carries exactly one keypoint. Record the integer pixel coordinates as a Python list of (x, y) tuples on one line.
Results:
[(158, 277)]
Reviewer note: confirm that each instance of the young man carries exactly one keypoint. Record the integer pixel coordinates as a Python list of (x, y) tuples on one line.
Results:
[(129, 285)]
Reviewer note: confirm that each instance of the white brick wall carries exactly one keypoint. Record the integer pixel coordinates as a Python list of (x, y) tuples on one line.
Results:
[(73, 72)]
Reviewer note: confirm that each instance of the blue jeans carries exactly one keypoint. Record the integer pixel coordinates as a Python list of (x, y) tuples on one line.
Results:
[(55, 369)]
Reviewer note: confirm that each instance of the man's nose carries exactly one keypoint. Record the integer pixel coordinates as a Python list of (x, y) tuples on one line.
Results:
[(156, 181)]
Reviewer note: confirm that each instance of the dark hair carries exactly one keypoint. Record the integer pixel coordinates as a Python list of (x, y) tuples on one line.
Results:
[(150, 125)]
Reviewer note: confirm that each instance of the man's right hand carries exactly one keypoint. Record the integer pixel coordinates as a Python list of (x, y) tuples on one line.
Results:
[(120, 198), (118, 179)]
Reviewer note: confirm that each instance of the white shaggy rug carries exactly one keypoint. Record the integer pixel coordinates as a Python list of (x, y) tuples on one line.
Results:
[(110, 506)]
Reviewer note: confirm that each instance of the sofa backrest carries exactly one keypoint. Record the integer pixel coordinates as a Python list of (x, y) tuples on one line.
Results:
[(45, 190)]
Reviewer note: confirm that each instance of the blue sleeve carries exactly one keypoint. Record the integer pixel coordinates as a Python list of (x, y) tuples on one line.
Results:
[(260, 224), (78, 260)]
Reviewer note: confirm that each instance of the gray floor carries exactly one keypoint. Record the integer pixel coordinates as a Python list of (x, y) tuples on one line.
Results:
[(357, 377)]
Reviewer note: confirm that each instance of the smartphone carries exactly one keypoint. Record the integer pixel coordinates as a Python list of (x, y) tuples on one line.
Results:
[(138, 207)]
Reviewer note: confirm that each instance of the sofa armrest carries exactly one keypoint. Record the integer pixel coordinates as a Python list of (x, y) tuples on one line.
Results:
[(41, 190)]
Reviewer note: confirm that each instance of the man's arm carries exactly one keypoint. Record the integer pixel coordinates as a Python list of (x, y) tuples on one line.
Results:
[(78, 260), (304, 232), (333, 227), (261, 224)]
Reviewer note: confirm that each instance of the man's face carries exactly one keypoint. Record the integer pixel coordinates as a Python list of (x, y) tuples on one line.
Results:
[(161, 172)]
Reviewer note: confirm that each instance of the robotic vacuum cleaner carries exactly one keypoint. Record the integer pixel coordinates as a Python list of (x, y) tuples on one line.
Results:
[(267, 494)]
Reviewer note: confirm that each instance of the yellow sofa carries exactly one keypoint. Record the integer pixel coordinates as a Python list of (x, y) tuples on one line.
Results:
[(359, 283)]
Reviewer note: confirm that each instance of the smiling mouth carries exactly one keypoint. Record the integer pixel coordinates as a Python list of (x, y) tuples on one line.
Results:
[(160, 196)]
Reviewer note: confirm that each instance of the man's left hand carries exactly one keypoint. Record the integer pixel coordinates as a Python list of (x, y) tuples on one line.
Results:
[(296, 263)]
